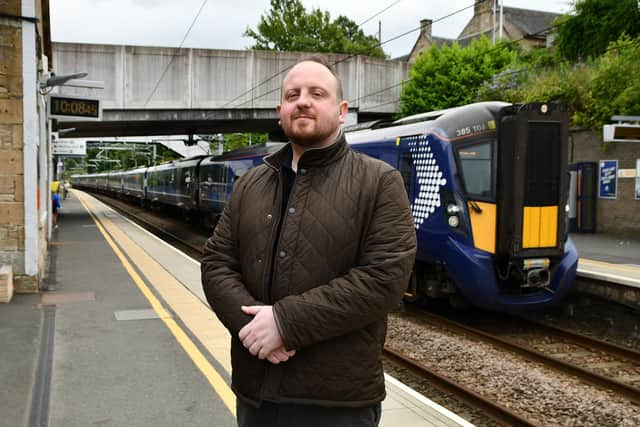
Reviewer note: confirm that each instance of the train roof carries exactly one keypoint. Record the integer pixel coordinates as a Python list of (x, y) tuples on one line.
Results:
[(252, 151), (447, 121)]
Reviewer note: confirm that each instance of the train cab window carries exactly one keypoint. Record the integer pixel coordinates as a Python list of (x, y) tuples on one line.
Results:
[(476, 166)]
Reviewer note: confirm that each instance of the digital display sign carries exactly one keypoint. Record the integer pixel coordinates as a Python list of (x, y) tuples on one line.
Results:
[(65, 107)]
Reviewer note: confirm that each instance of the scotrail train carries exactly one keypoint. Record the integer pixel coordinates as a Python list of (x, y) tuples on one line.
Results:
[(487, 183)]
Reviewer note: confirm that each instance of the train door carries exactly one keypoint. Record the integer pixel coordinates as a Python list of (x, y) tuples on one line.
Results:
[(582, 196)]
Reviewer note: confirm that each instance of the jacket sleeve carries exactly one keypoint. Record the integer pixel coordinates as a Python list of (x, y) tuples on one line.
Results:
[(369, 290), (220, 267)]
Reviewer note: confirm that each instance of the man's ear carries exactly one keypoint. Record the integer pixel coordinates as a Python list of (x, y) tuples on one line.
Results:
[(343, 109)]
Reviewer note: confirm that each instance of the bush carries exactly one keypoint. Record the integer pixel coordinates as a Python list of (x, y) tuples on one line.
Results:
[(449, 76)]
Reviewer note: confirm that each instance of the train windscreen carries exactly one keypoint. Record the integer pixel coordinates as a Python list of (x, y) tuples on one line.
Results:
[(476, 168)]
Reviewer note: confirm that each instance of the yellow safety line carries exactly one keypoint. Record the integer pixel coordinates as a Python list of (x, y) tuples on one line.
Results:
[(607, 264), (217, 382)]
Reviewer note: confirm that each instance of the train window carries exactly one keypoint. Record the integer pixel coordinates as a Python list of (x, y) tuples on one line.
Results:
[(475, 162)]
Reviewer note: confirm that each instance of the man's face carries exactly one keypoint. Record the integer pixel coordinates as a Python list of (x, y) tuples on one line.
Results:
[(311, 113)]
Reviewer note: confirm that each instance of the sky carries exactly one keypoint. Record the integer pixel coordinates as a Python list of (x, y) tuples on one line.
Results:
[(221, 23)]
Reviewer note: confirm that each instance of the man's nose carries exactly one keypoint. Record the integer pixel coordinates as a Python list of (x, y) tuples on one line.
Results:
[(304, 100)]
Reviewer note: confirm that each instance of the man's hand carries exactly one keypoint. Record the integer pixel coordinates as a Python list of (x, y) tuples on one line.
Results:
[(280, 355), (261, 336)]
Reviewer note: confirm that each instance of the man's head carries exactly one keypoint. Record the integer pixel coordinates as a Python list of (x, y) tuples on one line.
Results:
[(312, 109)]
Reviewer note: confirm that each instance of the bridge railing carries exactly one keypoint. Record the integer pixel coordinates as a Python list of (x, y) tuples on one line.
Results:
[(142, 77)]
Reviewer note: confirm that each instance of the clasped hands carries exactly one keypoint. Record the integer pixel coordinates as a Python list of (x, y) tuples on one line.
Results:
[(261, 337)]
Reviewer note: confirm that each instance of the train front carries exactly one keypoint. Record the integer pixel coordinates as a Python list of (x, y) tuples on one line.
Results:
[(507, 246)]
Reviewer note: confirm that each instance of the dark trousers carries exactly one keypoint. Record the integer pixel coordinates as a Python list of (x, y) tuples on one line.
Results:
[(287, 415)]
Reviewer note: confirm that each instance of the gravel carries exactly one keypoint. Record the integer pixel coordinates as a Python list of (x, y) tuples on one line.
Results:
[(542, 395)]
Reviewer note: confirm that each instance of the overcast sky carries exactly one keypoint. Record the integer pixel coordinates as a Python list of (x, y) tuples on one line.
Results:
[(221, 23)]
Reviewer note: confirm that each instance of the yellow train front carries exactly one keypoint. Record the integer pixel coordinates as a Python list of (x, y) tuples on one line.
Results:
[(488, 186)]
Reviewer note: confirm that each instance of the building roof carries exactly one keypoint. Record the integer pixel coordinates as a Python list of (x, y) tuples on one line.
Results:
[(530, 22), (439, 41)]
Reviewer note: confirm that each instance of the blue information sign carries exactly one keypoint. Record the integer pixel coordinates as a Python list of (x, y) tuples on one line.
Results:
[(608, 179)]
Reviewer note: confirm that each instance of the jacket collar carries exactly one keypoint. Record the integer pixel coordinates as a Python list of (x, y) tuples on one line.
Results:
[(311, 158)]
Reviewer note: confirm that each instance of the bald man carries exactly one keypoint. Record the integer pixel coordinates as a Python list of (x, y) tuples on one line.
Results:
[(312, 251)]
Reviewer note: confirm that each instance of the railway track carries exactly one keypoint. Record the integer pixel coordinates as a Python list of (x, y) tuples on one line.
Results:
[(596, 362), (171, 230), (493, 410)]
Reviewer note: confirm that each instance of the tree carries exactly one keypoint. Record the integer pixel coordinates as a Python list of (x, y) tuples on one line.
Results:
[(233, 141), (289, 27), (450, 76), (593, 91), (594, 25)]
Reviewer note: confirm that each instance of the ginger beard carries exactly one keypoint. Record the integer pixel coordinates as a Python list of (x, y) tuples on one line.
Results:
[(306, 129)]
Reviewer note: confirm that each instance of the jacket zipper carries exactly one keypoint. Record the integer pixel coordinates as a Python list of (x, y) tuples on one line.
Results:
[(274, 229)]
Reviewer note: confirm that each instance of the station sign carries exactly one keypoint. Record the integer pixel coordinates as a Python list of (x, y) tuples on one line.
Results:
[(67, 107), (608, 179), (69, 148)]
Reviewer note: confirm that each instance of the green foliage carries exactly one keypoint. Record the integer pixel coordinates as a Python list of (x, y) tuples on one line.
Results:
[(233, 141), (614, 87), (137, 155), (289, 27), (594, 91), (451, 75), (595, 24)]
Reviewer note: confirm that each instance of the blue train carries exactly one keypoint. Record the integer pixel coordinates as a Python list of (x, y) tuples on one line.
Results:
[(487, 183)]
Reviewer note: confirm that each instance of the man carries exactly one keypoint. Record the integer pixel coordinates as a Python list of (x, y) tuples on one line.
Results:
[(312, 250), (55, 206)]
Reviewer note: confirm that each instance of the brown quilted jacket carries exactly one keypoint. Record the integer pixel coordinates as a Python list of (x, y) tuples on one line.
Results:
[(343, 260)]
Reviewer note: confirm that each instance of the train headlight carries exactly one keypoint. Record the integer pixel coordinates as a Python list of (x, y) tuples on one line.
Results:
[(453, 221), (453, 209)]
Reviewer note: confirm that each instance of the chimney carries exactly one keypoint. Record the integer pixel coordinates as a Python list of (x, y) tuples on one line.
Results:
[(483, 6), (425, 29)]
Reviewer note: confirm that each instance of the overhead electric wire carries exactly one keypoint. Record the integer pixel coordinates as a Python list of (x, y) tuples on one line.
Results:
[(268, 79), (379, 13), (166, 68), (377, 45)]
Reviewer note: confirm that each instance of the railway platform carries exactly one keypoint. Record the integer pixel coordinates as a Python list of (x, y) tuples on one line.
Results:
[(123, 337), (609, 267)]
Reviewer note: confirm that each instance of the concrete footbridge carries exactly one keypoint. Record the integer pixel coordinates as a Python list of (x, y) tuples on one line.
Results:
[(170, 91)]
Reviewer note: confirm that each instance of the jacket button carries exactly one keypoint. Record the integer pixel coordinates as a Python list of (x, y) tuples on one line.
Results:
[(302, 171), (282, 254), (292, 210), (269, 217), (259, 260)]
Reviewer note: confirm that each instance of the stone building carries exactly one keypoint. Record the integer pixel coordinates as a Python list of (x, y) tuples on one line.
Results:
[(530, 28), (618, 213), (25, 46)]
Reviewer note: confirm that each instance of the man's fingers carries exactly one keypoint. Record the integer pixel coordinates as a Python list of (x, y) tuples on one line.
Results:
[(251, 309), (243, 333), (271, 358), (254, 348)]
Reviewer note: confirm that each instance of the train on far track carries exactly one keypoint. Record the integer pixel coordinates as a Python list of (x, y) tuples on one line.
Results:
[(488, 187)]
